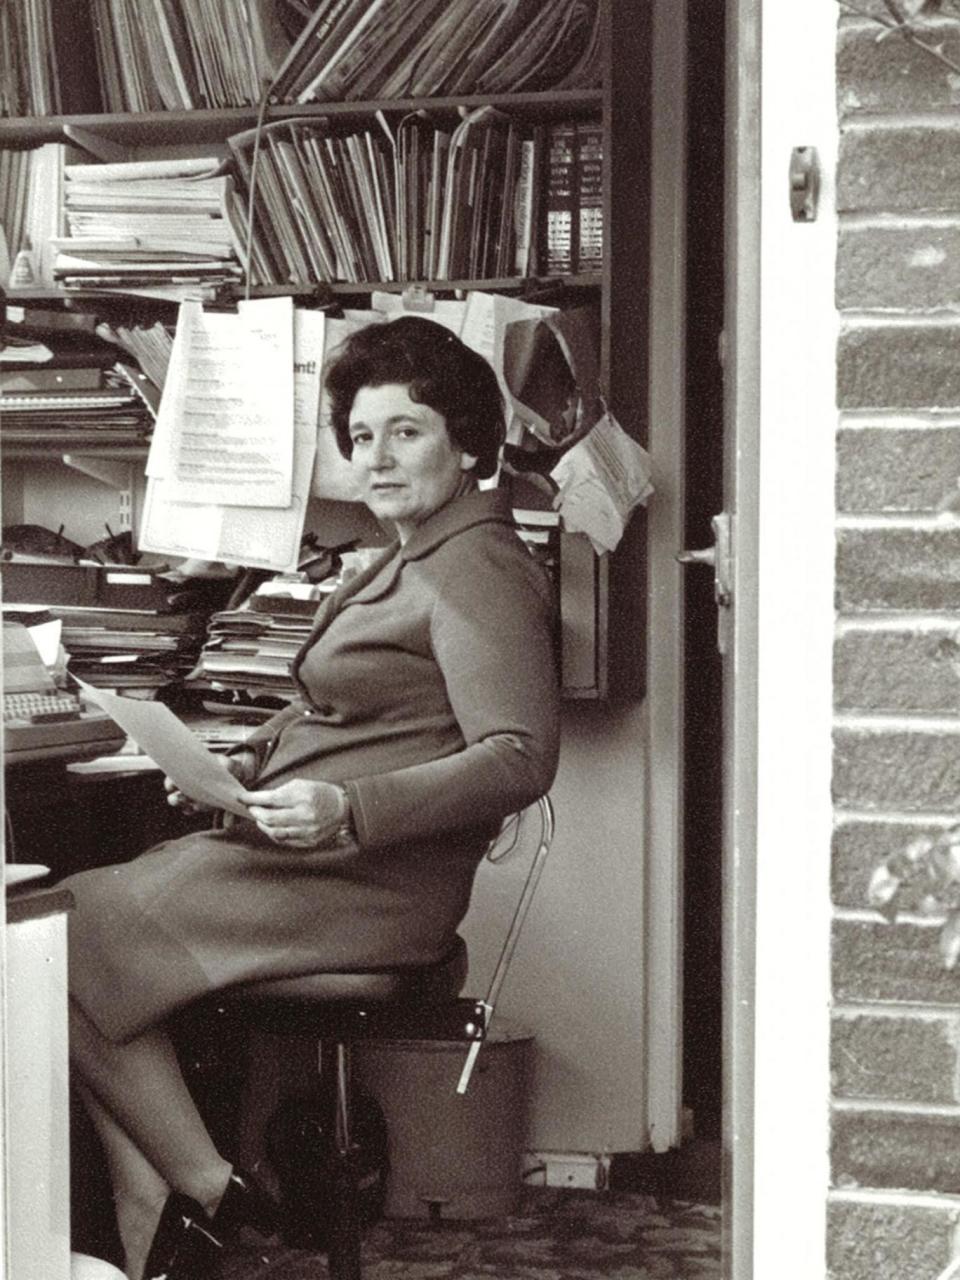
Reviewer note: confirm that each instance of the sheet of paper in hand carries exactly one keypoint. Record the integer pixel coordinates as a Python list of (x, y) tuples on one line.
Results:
[(197, 772)]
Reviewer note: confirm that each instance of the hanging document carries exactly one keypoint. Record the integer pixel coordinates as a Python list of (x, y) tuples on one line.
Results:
[(255, 535), (226, 418)]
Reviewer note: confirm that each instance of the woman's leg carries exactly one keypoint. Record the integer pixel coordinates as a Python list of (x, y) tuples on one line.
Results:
[(139, 1193), (141, 1086)]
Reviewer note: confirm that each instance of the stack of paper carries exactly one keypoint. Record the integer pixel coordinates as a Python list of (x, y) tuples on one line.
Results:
[(160, 226), (115, 647)]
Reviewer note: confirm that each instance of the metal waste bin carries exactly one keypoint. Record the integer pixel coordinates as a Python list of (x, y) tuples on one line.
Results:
[(452, 1155)]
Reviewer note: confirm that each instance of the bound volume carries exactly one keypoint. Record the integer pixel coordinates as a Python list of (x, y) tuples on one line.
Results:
[(573, 213)]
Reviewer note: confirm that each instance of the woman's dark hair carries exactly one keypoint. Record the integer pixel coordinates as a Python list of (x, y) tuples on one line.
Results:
[(439, 370)]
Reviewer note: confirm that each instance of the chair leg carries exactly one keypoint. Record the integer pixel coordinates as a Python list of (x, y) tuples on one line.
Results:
[(343, 1252)]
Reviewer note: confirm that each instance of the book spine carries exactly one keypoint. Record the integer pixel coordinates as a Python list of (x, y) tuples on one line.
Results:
[(535, 248), (560, 222), (523, 205), (74, 52), (271, 265), (312, 48), (590, 197)]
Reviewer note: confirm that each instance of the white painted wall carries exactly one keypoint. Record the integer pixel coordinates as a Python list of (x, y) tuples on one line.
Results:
[(577, 979)]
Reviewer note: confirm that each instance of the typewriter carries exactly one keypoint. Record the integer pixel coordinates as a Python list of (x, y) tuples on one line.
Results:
[(40, 720)]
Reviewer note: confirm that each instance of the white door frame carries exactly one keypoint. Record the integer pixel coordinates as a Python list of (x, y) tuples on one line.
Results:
[(781, 416)]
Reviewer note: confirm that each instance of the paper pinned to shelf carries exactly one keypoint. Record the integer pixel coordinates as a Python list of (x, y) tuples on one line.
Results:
[(257, 536), (225, 426), (446, 311), (551, 368), (484, 330), (601, 480)]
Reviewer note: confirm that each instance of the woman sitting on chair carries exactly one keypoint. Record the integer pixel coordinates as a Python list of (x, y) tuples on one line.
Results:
[(427, 711)]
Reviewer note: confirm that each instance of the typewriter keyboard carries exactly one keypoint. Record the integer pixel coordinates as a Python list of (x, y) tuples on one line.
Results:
[(35, 708)]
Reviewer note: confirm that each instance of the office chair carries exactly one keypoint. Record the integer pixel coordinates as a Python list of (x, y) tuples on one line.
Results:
[(338, 1009)]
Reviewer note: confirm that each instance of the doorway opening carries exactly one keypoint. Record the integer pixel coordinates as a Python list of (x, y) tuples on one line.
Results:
[(702, 821)]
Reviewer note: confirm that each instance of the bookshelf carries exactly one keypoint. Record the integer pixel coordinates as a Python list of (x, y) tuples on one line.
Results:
[(608, 591)]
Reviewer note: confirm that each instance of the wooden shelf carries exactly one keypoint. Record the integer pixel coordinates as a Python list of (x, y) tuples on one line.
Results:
[(172, 128), (83, 298), (24, 451)]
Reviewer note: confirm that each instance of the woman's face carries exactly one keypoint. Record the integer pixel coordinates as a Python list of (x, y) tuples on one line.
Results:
[(403, 458)]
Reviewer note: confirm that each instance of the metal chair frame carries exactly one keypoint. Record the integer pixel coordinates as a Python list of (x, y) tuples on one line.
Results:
[(275, 1007)]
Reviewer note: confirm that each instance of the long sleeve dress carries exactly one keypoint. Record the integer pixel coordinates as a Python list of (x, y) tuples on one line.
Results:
[(428, 690)]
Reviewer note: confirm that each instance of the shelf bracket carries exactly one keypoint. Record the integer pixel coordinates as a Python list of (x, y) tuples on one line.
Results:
[(109, 471), (96, 144)]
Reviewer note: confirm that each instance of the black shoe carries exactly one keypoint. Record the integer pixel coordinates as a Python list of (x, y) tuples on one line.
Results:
[(184, 1247), (245, 1203)]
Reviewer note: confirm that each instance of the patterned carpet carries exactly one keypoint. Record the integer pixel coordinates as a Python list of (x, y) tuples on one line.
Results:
[(555, 1235)]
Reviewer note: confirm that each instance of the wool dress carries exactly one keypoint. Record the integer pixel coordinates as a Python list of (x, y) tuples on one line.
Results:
[(428, 690)]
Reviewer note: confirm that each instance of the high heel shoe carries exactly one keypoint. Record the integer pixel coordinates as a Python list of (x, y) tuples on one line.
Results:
[(245, 1203), (184, 1247)]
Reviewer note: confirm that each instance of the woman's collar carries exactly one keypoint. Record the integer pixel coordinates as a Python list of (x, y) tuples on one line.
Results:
[(479, 506)]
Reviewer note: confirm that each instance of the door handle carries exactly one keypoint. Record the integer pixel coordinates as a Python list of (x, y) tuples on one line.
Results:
[(719, 558), (707, 555)]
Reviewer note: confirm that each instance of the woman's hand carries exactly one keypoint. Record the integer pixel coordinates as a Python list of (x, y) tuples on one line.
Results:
[(299, 814), (243, 766)]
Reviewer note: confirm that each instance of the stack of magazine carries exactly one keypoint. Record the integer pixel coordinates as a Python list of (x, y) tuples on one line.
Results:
[(75, 57), (160, 227)]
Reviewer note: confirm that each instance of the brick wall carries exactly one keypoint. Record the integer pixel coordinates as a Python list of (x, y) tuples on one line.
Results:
[(894, 1210)]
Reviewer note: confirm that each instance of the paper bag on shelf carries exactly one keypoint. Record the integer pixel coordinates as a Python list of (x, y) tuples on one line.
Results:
[(601, 481), (551, 368)]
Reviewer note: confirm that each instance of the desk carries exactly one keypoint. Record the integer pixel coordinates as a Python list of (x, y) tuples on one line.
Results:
[(71, 822), (36, 1108)]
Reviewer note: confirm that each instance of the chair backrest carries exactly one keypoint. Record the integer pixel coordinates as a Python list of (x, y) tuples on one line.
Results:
[(532, 879)]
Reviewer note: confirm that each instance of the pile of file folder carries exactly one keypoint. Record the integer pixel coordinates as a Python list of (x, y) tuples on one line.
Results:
[(64, 387), (249, 650), (123, 626), (111, 414)]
